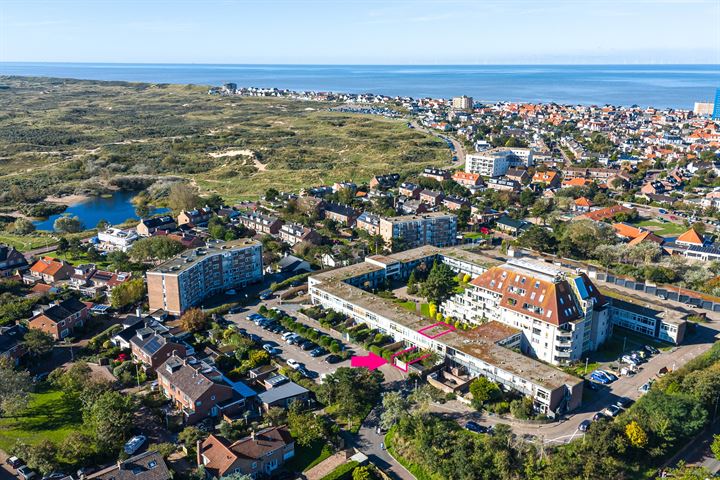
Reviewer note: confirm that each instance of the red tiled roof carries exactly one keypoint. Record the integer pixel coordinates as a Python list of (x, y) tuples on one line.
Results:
[(604, 213), (691, 236)]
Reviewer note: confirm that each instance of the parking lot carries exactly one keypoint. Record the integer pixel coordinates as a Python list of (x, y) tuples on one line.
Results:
[(287, 351)]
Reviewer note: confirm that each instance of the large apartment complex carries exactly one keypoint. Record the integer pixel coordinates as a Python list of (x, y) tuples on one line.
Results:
[(562, 315), (486, 350), (189, 278), (522, 310), (438, 229), (496, 162)]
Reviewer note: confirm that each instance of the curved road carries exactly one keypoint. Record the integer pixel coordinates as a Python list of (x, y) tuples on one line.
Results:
[(459, 152)]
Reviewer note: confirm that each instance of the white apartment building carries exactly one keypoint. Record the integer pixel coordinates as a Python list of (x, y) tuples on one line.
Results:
[(497, 161), (114, 239), (485, 350), (561, 315)]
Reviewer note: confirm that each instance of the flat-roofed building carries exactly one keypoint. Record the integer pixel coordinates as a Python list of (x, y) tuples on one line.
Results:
[(438, 229), (496, 162), (189, 278), (485, 350)]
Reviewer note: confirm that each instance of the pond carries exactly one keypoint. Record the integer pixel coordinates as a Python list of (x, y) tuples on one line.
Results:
[(115, 209)]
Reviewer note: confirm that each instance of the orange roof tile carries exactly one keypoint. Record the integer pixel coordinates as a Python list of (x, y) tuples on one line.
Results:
[(583, 202), (691, 236), (604, 213)]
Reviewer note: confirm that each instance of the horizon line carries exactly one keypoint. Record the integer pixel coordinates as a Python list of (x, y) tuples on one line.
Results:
[(65, 62)]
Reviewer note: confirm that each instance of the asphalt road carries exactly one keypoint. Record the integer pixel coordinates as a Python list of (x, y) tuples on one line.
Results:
[(459, 147)]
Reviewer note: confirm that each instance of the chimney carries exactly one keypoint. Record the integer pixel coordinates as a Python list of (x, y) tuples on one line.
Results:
[(252, 434), (119, 464), (198, 449), (138, 312)]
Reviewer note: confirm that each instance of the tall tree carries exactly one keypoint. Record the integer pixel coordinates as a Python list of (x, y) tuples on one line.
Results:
[(183, 197), (37, 342), (439, 284), (194, 320), (14, 388)]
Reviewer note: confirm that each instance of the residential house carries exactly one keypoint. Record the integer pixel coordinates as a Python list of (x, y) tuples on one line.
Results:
[(455, 203), (11, 260), (258, 455), (469, 180), (654, 187), (410, 190), (148, 465), (114, 239), (413, 207), (198, 217), (196, 390), (368, 222), (436, 174), (188, 240), (60, 319), (293, 265), (604, 213), (576, 182), (520, 175), (11, 342), (311, 205), (294, 233), (431, 197), (503, 184), (511, 226), (549, 178), (152, 349), (342, 214), (50, 270), (582, 204), (282, 393), (148, 226), (384, 182), (261, 224)]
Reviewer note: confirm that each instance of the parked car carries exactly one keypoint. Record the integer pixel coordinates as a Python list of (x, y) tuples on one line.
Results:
[(254, 316), (584, 425), (476, 427), (15, 462), (652, 350), (599, 416), (592, 385), (266, 295), (255, 338), (599, 378), (134, 444), (234, 310), (294, 364), (644, 388), (610, 376), (25, 472), (628, 359), (54, 476), (623, 402), (332, 358), (641, 353), (287, 335), (270, 349), (308, 345), (318, 352), (307, 373), (612, 411)]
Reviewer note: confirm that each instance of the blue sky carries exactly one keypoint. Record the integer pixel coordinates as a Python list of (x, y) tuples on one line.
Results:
[(355, 32)]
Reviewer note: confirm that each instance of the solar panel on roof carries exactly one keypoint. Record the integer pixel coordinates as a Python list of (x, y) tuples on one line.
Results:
[(153, 345)]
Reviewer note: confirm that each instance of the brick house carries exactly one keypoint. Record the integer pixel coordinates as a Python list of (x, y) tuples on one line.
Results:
[(11, 342), (259, 454), (260, 223), (196, 217), (383, 182), (61, 318), (196, 389), (152, 350), (148, 226), (51, 270), (431, 197), (342, 214), (11, 260), (410, 190)]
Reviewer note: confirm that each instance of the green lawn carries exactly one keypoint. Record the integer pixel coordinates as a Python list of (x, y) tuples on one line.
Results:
[(662, 229), (307, 457), (26, 242), (425, 309), (79, 259), (412, 306), (47, 417)]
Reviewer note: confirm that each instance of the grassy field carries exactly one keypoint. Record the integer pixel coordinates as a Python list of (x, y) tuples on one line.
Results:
[(418, 471), (307, 457), (668, 229), (47, 418), (69, 136), (26, 242)]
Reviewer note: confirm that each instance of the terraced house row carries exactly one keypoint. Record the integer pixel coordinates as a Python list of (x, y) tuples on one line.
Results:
[(522, 311)]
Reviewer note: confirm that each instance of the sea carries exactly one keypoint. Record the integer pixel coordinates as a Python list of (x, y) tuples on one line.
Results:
[(662, 86)]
